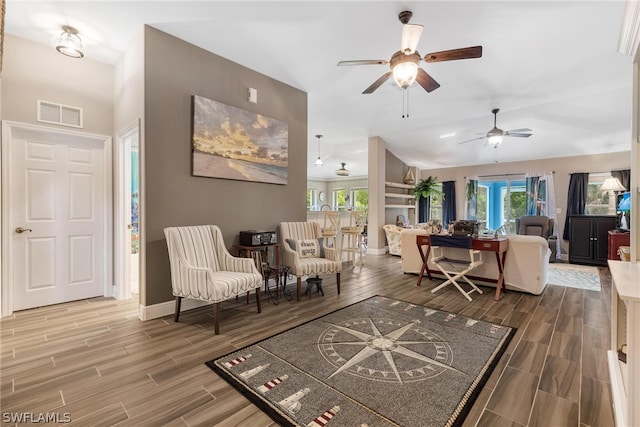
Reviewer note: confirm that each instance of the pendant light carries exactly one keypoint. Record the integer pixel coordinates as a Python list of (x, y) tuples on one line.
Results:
[(319, 160)]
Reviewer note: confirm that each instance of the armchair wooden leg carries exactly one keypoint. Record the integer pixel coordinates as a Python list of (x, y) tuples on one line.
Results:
[(178, 301), (216, 318), (338, 282), (258, 300), (298, 288)]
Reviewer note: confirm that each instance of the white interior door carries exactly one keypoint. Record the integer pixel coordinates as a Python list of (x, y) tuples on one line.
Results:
[(56, 218)]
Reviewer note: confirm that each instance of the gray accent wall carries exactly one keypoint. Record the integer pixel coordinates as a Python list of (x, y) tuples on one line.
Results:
[(174, 71)]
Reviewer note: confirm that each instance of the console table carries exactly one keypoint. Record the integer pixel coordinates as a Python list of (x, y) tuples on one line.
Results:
[(625, 329), (498, 245)]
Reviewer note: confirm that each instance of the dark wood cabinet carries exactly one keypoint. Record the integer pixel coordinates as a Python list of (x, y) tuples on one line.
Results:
[(588, 238)]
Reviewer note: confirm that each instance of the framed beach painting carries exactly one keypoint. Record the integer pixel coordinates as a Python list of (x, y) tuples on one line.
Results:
[(231, 143)]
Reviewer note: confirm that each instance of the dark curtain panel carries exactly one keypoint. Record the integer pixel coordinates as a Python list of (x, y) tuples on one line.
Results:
[(449, 203), (424, 207), (576, 198), (624, 176)]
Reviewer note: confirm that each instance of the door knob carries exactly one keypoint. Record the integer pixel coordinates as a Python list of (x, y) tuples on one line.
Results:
[(21, 230)]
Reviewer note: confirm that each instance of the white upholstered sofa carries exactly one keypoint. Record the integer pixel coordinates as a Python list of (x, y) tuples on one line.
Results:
[(526, 263)]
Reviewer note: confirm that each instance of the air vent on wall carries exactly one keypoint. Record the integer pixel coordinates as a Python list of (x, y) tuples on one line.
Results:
[(51, 112)]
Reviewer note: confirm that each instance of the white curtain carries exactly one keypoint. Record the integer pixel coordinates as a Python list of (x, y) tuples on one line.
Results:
[(471, 198), (545, 197)]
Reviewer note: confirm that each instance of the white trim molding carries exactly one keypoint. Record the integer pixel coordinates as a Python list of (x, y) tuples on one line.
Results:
[(630, 32)]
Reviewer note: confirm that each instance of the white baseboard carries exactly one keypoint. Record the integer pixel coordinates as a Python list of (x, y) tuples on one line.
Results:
[(372, 251), (168, 308)]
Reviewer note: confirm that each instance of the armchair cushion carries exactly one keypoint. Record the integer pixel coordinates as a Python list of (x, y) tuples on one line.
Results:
[(308, 248)]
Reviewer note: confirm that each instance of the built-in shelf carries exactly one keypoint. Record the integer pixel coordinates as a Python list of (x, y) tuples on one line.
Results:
[(399, 185), (625, 329), (400, 206), (399, 195), (406, 194)]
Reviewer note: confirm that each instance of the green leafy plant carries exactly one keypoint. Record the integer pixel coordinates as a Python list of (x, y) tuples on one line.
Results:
[(427, 187)]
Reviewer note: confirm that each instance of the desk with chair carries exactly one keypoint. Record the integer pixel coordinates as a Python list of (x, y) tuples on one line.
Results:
[(497, 245)]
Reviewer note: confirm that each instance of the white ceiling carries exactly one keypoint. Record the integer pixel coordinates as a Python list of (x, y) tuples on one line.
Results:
[(549, 66)]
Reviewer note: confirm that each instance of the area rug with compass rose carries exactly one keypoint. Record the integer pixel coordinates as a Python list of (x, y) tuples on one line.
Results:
[(378, 362)]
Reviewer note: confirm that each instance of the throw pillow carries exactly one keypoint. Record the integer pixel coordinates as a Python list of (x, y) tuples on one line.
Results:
[(308, 248)]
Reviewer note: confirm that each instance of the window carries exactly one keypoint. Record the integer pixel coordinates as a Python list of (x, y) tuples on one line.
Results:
[(435, 205), (339, 199), (311, 198), (500, 202), (597, 200), (360, 198), (482, 209)]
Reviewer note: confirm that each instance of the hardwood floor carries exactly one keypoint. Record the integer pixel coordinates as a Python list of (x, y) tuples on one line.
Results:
[(96, 362)]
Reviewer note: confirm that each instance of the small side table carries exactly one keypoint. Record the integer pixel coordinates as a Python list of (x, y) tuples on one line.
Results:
[(276, 271)]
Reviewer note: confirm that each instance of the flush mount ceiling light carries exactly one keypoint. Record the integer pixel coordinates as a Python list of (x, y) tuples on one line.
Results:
[(319, 160), (342, 171), (69, 42)]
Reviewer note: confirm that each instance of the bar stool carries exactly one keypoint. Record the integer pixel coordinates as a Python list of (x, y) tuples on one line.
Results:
[(354, 236), (330, 228)]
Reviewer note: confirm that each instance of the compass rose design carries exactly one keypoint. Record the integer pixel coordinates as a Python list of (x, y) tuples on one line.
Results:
[(385, 350)]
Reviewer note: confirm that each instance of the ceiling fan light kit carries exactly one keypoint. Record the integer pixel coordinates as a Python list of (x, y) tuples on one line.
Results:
[(405, 68)]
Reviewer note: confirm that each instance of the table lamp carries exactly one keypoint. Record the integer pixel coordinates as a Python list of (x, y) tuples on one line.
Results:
[(612, 185)]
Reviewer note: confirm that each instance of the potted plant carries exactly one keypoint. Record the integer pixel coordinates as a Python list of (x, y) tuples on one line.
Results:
[(427, 188)]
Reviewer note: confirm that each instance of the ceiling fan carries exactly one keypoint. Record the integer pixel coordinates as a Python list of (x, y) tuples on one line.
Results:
[(404, 63), (495, 135)]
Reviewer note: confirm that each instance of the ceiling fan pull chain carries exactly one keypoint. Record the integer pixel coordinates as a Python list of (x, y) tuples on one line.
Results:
[(405, 104)]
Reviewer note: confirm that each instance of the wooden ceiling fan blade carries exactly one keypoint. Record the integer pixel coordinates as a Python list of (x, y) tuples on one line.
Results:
[(377, 83), (411, 34), (426, 81), (453, 54), (472, 139), (363, 62)]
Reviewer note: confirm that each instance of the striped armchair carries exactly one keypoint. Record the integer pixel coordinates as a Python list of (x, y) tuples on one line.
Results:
[(202, 268), (301, 263)]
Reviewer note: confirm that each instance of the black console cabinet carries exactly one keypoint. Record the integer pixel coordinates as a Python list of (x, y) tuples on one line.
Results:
[(588, 238)]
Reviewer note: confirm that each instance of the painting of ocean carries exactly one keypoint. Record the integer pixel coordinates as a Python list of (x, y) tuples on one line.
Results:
[(231, 143)]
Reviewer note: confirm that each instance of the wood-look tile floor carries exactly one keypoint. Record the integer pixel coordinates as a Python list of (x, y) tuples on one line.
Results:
[(95, 361)]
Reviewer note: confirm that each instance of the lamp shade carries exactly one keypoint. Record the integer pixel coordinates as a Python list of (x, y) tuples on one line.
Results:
[(612, 184)]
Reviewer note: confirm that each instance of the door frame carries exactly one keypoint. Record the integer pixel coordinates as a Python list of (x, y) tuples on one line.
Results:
[(122, 286), (8, 130)]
